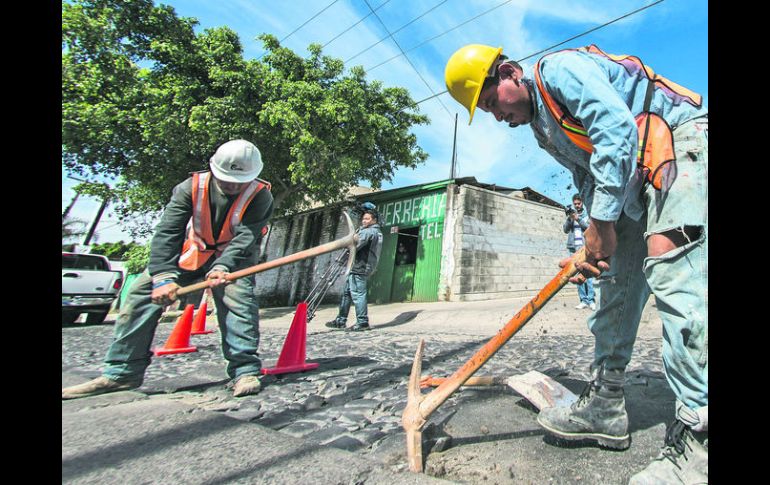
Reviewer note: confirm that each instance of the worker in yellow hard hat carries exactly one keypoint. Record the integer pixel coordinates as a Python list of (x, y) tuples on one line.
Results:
[(476, 68), (637, 146)]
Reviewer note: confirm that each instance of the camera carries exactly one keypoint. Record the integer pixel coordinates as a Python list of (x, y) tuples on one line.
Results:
[(569, 210)]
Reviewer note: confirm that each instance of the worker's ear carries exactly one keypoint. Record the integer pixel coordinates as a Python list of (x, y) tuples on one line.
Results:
[(509, 71)]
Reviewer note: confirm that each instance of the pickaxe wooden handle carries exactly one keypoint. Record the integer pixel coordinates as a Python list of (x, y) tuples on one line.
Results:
[(419, 407), (347, 241), (430, 381)]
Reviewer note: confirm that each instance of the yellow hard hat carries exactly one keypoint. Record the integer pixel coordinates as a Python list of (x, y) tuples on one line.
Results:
[(465, 73)]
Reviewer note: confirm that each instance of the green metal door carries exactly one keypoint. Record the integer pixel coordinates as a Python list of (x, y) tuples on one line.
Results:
[(403, 282), (428, 267)]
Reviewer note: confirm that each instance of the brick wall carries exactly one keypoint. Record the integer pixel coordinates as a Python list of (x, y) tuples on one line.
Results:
[(500, 246)]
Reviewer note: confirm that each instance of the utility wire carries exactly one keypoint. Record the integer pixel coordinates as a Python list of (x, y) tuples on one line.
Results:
[(536, 53), (439, 35), (304, 24), (589, 31), (308, 20), (405, 56), (361, 20), (390, 34)]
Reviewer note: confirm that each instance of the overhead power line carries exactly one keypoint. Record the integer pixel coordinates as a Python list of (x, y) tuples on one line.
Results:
[(390, 34), (309, 20), (361, 20), (589, 31), (405, 56), (536, 53), (304, 24), (439, 35)]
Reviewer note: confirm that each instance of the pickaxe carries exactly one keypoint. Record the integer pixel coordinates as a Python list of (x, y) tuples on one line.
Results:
[(419, 407), (348, 241)]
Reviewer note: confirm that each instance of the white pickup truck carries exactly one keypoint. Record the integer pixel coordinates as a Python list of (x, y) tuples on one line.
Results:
[(88, 285)]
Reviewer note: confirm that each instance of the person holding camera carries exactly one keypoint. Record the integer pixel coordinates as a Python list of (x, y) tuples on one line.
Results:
[(576, 223)]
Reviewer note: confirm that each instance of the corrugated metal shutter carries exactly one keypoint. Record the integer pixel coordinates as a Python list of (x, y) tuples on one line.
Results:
[(379, 283), (428, 267)]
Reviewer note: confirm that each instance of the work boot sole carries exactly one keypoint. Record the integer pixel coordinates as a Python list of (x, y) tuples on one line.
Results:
[(604, 440)]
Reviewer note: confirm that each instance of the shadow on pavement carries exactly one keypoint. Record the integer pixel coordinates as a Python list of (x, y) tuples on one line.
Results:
[(400, 319)]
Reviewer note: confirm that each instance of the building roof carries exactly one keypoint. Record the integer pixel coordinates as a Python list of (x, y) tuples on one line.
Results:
[(525, 193)]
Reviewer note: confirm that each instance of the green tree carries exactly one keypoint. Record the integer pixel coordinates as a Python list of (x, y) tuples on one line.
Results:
[(146, 99), (115, 251), (137, 258)]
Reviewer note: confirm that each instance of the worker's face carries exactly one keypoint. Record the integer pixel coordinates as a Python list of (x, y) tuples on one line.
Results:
[(230, 188), (367, 220), (509, 99)]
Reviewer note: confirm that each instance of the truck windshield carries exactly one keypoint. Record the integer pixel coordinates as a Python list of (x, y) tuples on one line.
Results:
[(83, 261)]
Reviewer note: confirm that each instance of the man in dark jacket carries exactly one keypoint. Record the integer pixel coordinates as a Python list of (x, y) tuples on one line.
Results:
[(211, 227), (367, 254)]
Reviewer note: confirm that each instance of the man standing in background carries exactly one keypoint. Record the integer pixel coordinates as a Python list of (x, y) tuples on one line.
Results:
[(576, 223)]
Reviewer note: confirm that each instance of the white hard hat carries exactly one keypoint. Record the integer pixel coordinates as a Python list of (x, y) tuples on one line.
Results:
[(236, 161)]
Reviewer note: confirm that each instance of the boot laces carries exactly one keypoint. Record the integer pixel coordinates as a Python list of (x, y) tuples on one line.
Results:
[(674, 441), (585, 395)]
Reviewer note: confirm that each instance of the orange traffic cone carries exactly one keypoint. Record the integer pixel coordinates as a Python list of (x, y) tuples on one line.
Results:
[(292, 358), (199, 324), (179, 340)]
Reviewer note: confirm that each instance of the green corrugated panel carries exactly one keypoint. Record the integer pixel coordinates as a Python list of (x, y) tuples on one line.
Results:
[(124, 289), (428, 267), (403, 280), (378, 284)]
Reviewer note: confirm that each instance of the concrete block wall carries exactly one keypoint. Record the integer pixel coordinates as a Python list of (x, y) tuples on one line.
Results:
[(502, 246), (290, 284)]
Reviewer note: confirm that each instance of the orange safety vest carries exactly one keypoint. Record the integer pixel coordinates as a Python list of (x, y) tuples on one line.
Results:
[(656, 141), (200, 245)]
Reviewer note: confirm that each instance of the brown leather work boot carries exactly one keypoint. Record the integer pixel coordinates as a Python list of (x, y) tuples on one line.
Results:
[(246, 385), (100, 385)]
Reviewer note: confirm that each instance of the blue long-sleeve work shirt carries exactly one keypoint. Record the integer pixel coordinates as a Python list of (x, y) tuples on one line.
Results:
[(605, 97)]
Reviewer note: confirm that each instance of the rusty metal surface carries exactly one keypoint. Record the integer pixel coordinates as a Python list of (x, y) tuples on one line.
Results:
[(541, 390)]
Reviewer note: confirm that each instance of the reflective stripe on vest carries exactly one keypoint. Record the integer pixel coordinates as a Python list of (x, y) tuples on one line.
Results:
[(200, 245), (655, 147)]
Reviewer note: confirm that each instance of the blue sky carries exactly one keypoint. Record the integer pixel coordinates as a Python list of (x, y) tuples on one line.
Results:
[(671, 37)]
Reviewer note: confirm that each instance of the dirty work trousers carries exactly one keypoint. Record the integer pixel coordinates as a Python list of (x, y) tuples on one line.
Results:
[(678, 280), (237, 315), (355, 293)]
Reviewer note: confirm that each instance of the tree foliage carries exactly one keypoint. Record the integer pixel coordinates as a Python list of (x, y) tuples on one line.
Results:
[(137, 258), (115, 251), (147, 99)]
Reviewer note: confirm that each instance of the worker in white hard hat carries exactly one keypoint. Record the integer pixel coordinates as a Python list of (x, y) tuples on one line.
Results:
[(637, 146), (211, 227)]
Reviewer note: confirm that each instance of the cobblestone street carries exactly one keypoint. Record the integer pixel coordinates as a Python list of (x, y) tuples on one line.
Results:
[(354, 400)]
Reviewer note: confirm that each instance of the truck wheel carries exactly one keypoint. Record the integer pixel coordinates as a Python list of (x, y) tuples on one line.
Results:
[(68, 317), (96, 318)]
